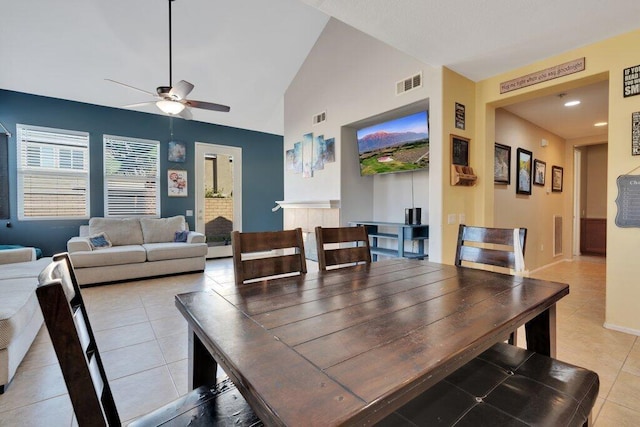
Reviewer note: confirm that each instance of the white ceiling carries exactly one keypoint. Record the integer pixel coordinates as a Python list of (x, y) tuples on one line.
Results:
[(244, 53)]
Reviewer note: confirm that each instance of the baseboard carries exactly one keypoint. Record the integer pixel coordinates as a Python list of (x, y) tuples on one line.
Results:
[(550, 265), (622, 329)]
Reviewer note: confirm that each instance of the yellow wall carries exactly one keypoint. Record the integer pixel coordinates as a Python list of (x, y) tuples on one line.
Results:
[(604, 60), (459, 199)]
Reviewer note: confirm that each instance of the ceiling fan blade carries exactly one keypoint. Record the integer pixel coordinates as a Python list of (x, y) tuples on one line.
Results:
[(208, 106), (139, 104), (180, 90), (131, 87), (186, 114)]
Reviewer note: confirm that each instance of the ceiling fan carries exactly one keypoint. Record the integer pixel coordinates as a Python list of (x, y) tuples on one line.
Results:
[(172, 99)]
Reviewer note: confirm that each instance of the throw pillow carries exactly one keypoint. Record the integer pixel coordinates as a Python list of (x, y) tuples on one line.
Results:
[(100, 240), (181, 236)]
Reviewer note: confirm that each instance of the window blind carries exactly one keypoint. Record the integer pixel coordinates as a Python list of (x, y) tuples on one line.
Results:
[(131, 176), (53, 173)]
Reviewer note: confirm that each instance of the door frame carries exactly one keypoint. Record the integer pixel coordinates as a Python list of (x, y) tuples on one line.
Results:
[(201, 150)]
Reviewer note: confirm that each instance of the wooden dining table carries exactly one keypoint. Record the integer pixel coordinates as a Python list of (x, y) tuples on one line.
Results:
[(349, 346)]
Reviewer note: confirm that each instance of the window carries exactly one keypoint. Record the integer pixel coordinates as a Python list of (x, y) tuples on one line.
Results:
[(131, 177), (53, 173)]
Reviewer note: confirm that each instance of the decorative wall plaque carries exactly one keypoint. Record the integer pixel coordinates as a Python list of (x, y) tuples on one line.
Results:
[(628, 201)]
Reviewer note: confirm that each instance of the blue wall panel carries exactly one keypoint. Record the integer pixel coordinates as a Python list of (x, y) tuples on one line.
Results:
[(262, 158)]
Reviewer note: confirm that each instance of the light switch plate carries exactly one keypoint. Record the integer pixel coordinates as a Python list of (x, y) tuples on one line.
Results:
[(451, 219), (189, 212)]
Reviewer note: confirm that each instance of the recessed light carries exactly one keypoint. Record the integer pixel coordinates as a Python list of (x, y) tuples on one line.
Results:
[(600, 124), (571, 103)]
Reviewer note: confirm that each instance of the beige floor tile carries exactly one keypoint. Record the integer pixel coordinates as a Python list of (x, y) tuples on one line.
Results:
[(33, 385), (111, 339), (132, 359), (626, 391), (169, 325), (632, 364), (166, 308), (40, 354), (102, 319), (614, 415), (54, 412), (143, 392), (179, 372), (174, 347)]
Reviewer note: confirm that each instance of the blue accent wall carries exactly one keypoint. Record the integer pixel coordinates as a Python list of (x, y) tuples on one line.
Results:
[(262, 163)]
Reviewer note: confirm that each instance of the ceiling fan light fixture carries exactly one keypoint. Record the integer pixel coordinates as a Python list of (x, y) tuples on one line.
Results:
[(170, 107)]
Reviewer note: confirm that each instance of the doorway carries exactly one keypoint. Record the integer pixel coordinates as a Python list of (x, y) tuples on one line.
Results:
[(218, 170)]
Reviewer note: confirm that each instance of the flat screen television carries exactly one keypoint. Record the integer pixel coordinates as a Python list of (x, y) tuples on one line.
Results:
[(397, 145)]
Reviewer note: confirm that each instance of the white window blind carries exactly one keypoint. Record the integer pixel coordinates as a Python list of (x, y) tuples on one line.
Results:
[(131, 176), (53, 173)]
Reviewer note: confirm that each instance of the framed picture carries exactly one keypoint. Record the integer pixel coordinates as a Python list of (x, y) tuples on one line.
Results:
[(177, 152), (177, 183), (459, 150), (556, 178), (539, 172), (523, 176), (502, 164)]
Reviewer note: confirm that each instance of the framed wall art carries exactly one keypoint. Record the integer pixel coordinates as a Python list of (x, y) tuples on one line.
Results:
[(177, 183), (556, 178), (523, 175), (177, 152), (539, 172), (502, 164)]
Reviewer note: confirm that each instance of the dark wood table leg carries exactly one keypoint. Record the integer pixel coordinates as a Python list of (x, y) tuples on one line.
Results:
[(202, 366), (541, 333)]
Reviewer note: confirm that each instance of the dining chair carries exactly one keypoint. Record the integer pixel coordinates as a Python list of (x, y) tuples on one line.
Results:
[(356, 251), (66, 318), (259, 255), (500, 247)]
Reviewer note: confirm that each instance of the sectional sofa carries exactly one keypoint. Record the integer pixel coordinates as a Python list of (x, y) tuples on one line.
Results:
[(116, 249), (20, 316)]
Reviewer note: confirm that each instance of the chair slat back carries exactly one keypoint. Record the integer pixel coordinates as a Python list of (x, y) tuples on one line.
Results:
[(264, 254), (66, 318), (337, 254), (489, 246)]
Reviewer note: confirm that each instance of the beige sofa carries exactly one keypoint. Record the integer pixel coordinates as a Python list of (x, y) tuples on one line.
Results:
[(137, 248), (20, 316)]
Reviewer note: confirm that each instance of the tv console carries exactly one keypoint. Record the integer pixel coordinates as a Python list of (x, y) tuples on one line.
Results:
[(395, 231)]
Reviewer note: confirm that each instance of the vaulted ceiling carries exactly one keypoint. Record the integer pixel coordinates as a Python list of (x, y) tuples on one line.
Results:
[(245, 53)]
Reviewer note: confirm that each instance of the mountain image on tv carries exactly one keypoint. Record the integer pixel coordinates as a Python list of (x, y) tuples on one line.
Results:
[(394, 146)]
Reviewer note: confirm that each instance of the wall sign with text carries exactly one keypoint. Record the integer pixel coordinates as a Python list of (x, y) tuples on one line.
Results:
[(628, 201), (631, 81)]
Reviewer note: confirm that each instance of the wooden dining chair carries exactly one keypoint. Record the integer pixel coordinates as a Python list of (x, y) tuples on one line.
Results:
[(356, 251), (258, 255), (66, 318), (491, 246)]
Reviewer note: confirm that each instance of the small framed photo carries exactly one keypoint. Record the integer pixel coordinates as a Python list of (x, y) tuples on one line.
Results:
[(539, 172), (177, 183), (556, 178), (502, 164), (177, 152), (524, 166), (459, 150)]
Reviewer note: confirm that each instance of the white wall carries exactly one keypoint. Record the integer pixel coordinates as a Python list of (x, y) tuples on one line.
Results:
[(352, 77)]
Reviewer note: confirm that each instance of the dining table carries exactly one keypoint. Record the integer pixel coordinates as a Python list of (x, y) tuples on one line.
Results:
[(349, 346)]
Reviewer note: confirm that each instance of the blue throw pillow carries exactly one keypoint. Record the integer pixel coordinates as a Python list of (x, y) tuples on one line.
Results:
[(181, 236), (99, 241)]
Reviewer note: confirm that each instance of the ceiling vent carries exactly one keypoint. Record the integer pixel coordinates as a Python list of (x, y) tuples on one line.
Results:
[(409, 83), (319, 118)]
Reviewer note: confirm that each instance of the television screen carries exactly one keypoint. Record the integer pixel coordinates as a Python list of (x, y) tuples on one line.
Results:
[(397, 145)]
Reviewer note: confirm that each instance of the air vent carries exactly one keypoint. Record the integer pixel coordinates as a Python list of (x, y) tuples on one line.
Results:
[(319, 118), (409, 83)]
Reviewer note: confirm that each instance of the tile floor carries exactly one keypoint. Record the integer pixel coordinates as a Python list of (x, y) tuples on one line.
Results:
[(143, 341)]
